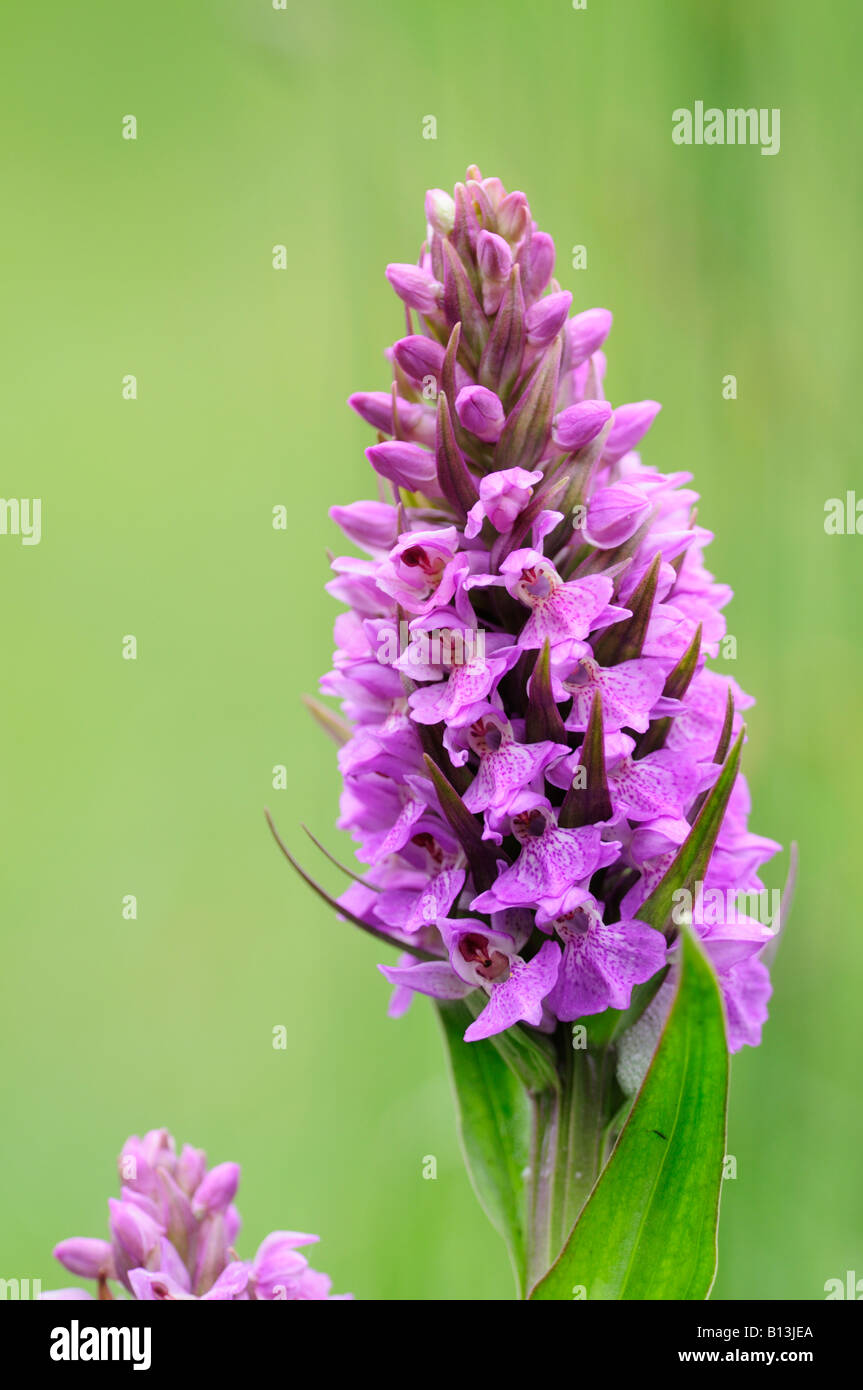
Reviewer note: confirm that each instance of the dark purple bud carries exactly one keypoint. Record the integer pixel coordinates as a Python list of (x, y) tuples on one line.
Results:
[(546, 318), (579, 424), (481, 412)]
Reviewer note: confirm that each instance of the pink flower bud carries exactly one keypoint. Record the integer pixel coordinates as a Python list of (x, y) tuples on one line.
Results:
[(586, 332), (88, 1257), (407, 465), (376, 408), (631, 423), (372, 525), (614, 514), (538, 265), (546, 318), (481, 412), (416, 287), (217, 1190), (579, 424)]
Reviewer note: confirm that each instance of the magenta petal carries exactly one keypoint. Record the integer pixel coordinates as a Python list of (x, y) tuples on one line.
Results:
[(428, 977), (520, 997)]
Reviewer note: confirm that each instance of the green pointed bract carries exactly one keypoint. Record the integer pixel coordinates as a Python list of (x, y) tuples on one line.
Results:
[(679, 681), (624, 641), (465, 827), (528, 425), (543, 716), (501, 360), (591, 803), (689, 865), (721, 749), (728, 725), (462, 304), (338, 729), (675, 688), (391, 940), (457, 485), (465, 441)]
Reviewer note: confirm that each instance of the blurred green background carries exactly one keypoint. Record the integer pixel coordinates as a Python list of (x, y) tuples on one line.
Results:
[(149, 777)]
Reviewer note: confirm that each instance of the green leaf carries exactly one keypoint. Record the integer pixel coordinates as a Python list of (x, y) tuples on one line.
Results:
[(648, 1229), (494, 1129)]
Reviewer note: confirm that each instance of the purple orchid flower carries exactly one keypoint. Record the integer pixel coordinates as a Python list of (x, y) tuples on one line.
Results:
[(517, 519), (173, 1230)]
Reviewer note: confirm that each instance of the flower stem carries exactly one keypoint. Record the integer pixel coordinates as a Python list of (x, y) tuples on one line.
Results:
[(569, 1125)]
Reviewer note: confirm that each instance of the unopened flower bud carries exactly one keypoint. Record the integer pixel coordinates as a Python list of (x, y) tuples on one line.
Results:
[(579, 424), (481, 412)]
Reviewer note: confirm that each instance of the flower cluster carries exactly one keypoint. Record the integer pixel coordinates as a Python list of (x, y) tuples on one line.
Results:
[(173, 1230), (521, 771)]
